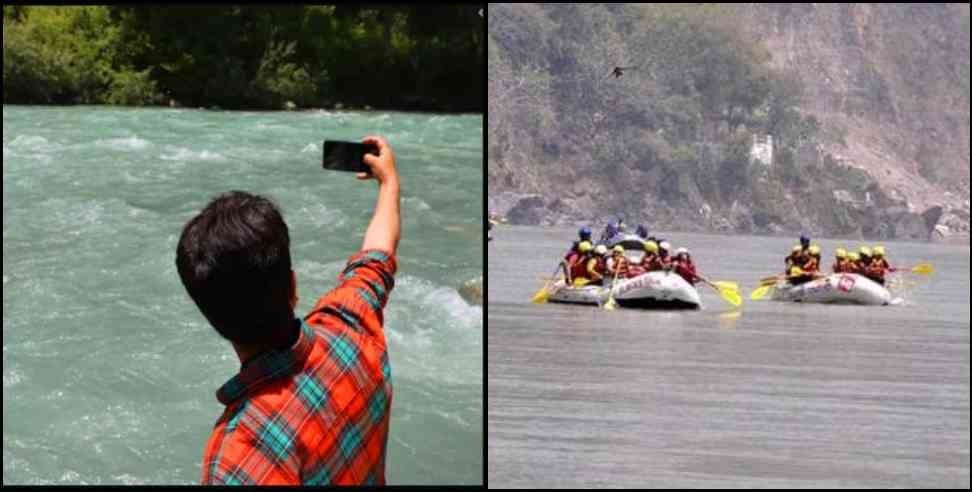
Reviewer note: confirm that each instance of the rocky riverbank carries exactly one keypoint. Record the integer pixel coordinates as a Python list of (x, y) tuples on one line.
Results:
[(859, 220)]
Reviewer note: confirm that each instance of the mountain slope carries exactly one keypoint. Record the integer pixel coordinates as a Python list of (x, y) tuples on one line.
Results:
[(867, 107)]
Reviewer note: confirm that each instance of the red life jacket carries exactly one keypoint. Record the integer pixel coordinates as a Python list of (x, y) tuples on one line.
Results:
[(601, 265), (647, 259), (571, 257), (578, 268), (656, 262), (635, 270), (687, 271), (811, 265)]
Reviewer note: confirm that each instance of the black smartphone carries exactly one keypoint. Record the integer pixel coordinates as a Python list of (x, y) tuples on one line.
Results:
[(347, 156)]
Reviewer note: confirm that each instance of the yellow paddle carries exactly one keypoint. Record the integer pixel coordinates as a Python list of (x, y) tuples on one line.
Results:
[(761, 292), (729, 291), (923, 269), (729, 295), (543, 294), (610, 304), (768, 284)]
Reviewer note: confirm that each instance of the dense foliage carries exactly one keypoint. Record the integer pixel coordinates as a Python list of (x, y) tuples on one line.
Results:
[(411, 56)]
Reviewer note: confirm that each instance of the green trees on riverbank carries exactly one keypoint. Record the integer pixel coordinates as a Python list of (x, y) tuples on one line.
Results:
[(409, 56)]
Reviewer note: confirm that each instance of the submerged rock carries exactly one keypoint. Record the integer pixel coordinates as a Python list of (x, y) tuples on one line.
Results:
[(472, 291)]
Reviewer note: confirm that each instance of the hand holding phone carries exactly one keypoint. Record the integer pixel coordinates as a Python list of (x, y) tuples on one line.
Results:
[(382, 163), (347, 156)]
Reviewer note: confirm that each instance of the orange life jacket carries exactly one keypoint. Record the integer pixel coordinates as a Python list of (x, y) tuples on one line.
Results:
[(620, 267)]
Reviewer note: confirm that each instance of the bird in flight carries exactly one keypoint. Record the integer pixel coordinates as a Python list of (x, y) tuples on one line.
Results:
[(618, 71)]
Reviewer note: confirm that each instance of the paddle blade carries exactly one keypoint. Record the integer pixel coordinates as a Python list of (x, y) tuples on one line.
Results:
[(760, 293), (610, 305), (731, 296), (923, 269), (541, 296)]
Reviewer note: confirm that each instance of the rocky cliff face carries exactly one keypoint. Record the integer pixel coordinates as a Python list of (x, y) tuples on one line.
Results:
[(893, 82), (888, 86)]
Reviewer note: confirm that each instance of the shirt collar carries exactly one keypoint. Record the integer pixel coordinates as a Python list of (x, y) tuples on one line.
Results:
[(268, 367)]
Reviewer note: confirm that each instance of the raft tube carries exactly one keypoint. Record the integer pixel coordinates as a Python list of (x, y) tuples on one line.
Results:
[(847, 288), (652, 290)]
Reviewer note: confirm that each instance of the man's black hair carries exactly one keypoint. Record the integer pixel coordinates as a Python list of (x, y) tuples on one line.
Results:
[(234, 260)]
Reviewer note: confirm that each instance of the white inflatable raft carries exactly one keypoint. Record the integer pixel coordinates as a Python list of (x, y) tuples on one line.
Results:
[(848, 288), (650, 290)]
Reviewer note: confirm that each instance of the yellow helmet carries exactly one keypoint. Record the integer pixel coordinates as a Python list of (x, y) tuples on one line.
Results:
[(618, 249), (853, 256), (585, 247), (651, 247), (815, 250), (865, 251), (797, 249), (840, 253), (879, 251)]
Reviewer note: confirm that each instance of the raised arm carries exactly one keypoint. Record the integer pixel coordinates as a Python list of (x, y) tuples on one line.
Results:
[(363, 287), (384, 231)]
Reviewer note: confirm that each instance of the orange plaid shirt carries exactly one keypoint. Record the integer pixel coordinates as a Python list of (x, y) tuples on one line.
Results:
[(317, 413)]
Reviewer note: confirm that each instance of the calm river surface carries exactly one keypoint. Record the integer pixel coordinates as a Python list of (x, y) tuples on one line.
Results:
[(773, 395)]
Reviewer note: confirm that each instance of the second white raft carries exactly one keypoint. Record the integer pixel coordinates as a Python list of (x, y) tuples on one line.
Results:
[(848, 288)]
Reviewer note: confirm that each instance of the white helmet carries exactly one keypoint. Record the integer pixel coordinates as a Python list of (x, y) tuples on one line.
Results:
[(681, 251), (665, 246), (601, 250)]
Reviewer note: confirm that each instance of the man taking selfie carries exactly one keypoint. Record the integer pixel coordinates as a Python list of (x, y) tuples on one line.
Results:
[(312, 401)]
